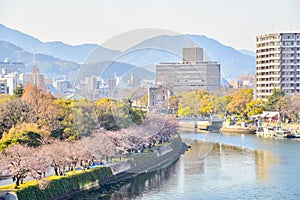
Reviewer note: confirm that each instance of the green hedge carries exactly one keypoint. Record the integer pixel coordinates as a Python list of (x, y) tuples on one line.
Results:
[(64, 184)]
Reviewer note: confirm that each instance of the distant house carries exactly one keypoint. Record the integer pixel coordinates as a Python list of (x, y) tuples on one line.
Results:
[(267, 116)]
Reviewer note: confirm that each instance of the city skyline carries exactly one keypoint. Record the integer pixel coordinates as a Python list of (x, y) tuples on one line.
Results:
[(234, 23)]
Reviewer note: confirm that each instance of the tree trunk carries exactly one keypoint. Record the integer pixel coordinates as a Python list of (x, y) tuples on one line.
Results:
[(17, 182), (56, 171)]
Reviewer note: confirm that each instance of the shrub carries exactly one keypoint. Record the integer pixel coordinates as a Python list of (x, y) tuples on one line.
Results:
[(62, 185)]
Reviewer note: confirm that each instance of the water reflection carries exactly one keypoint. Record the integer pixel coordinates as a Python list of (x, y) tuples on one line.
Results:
[(263, 162), (135, 187), (130, 189)]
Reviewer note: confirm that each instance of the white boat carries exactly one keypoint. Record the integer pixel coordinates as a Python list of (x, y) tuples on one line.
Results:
[(283, 134), (265, 131)]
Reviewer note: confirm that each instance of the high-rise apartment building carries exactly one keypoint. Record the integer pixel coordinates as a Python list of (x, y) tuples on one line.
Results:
[(277, 63), (9, 81), (191, 74)]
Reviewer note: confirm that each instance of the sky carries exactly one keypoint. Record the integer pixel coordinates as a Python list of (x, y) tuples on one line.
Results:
[(232, 22)]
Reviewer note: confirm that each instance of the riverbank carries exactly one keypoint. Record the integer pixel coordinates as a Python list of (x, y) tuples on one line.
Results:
[(200, 125), (153, 159), (237, 129)]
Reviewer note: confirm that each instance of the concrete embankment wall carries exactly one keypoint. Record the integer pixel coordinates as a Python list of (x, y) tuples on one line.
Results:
[(193, 125), (158, 158)]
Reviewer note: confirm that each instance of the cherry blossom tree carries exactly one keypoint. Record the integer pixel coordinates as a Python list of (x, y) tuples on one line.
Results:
[(39, 166), (18, 160), (99, 145), (57, 152)]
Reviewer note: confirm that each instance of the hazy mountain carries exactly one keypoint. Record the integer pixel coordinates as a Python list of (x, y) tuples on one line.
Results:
[(60, 50), (169, 48), (99, 54), (20, 39), (47, 64), (64, 51), (146, 54), (247, 52), (107, 69)]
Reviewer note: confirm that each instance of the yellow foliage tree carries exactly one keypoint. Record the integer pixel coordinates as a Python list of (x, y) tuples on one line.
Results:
[(239, 100), (25, 133)]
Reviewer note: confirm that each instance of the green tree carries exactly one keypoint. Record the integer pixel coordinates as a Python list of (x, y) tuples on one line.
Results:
[(104, 114), (67, 128), (273, 99), (85, 119), (114, 115), (18, 92), (218, 105)]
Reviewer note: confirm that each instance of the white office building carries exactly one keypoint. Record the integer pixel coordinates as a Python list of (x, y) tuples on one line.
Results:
[(191, 74), (277, 64)]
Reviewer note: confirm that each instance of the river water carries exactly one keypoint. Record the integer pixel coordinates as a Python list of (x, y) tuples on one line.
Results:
[(219, 166)]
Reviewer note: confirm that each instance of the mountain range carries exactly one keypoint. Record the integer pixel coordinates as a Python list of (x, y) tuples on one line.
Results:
[(46, 63), (58, 57)]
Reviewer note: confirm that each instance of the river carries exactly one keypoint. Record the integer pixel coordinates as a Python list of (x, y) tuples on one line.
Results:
[(219, 166)]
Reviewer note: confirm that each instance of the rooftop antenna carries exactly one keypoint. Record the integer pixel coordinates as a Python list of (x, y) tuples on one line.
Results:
[(272, 28), (291, 26)]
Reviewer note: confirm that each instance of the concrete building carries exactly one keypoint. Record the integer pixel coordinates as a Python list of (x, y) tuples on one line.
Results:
[(191, 74), (134, 81), (63, 86), (91, 87), (158, 98), (3, 86), (113, 83), (243, 82), (9, 81), (192, 55), (36, 78), (277, 64)]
